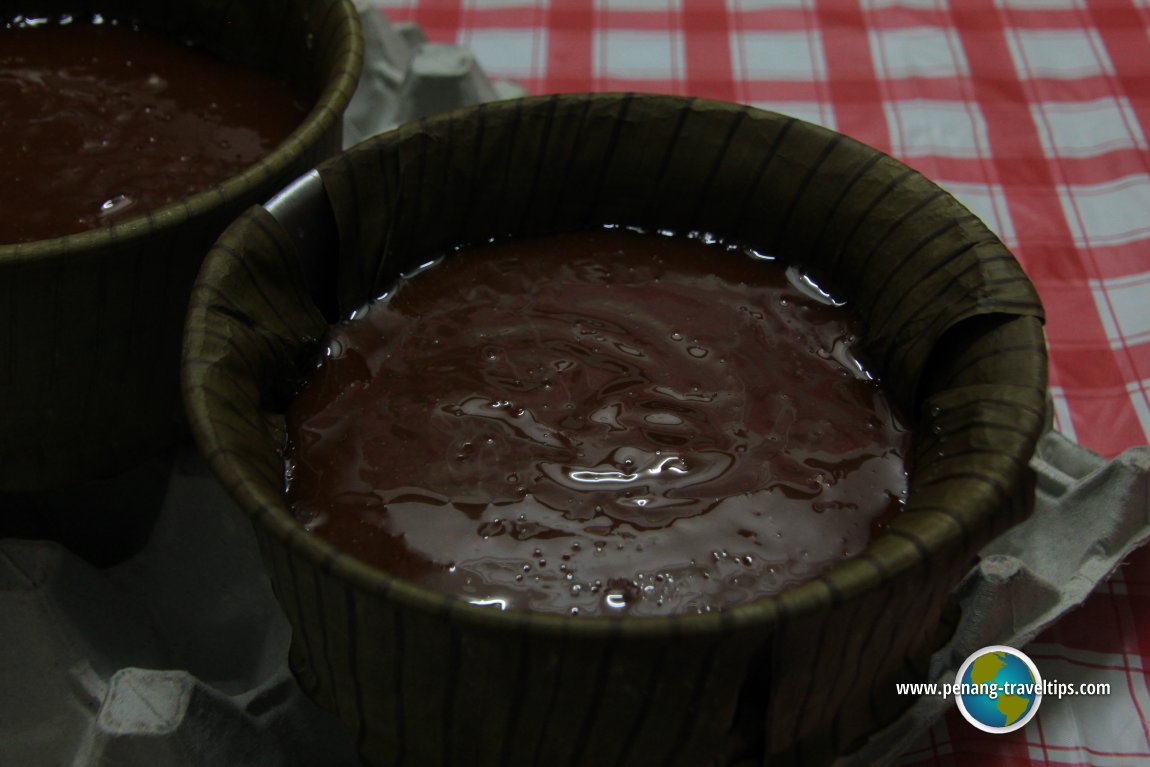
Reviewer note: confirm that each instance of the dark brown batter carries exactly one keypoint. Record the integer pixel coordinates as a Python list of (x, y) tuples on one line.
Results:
[(100, 122), (599, 423)]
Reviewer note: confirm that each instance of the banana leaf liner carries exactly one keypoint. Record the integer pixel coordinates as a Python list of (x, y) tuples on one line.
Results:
[(91, 323), (953, 328)]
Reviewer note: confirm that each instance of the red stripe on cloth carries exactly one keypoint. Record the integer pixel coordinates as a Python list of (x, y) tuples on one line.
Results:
[(513, 17), (920, 87), (781, 90), (1102, 414), (1085, 88), (910, 17), (1018, 153), (646, 20), (1140, 606), (1124, 33), (1095, 752), (1022, 17), (570, 47), (1036, 736), (397, 11), (1050, 263), (1079, 361), (770, 19), (440, 19), (1091, 627), (1067, 302), (707, 41), (948, 171), (1136, 575), (1102, 599), (851, 80), (1106, 166), (1134, 676), (999, 750), (663, 86)]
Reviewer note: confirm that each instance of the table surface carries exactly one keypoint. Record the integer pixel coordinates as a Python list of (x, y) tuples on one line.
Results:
[(1035, 114)]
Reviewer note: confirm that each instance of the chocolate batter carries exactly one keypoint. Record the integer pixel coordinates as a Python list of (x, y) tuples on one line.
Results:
[(599, 423), (102, 121)]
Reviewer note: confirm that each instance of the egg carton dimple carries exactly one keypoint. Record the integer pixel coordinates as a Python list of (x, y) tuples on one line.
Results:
[(406, 77), (176, 657)]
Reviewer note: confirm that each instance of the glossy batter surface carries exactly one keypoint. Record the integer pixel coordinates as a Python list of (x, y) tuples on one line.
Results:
[(599, 423), (100, 122)]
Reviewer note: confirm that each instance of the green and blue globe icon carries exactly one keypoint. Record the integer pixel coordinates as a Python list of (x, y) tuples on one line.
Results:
[(999, 689)]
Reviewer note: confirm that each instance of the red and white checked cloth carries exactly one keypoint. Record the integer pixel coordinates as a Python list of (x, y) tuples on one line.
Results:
[(1035, 114)]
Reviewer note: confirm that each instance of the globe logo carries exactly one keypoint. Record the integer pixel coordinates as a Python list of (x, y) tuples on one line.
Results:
[(998, 689)]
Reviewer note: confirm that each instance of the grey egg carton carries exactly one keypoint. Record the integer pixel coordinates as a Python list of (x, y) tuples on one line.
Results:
[(405, 77), (176, 657)]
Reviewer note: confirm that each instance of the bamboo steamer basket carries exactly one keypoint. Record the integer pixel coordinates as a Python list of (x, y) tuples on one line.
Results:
[(952, 325), (91, 323)]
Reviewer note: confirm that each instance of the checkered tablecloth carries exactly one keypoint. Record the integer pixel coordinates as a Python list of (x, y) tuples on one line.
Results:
[(1035, 114)]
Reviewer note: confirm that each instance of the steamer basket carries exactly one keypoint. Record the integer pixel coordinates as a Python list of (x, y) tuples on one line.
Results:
[(91, 323), (951, 321)]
